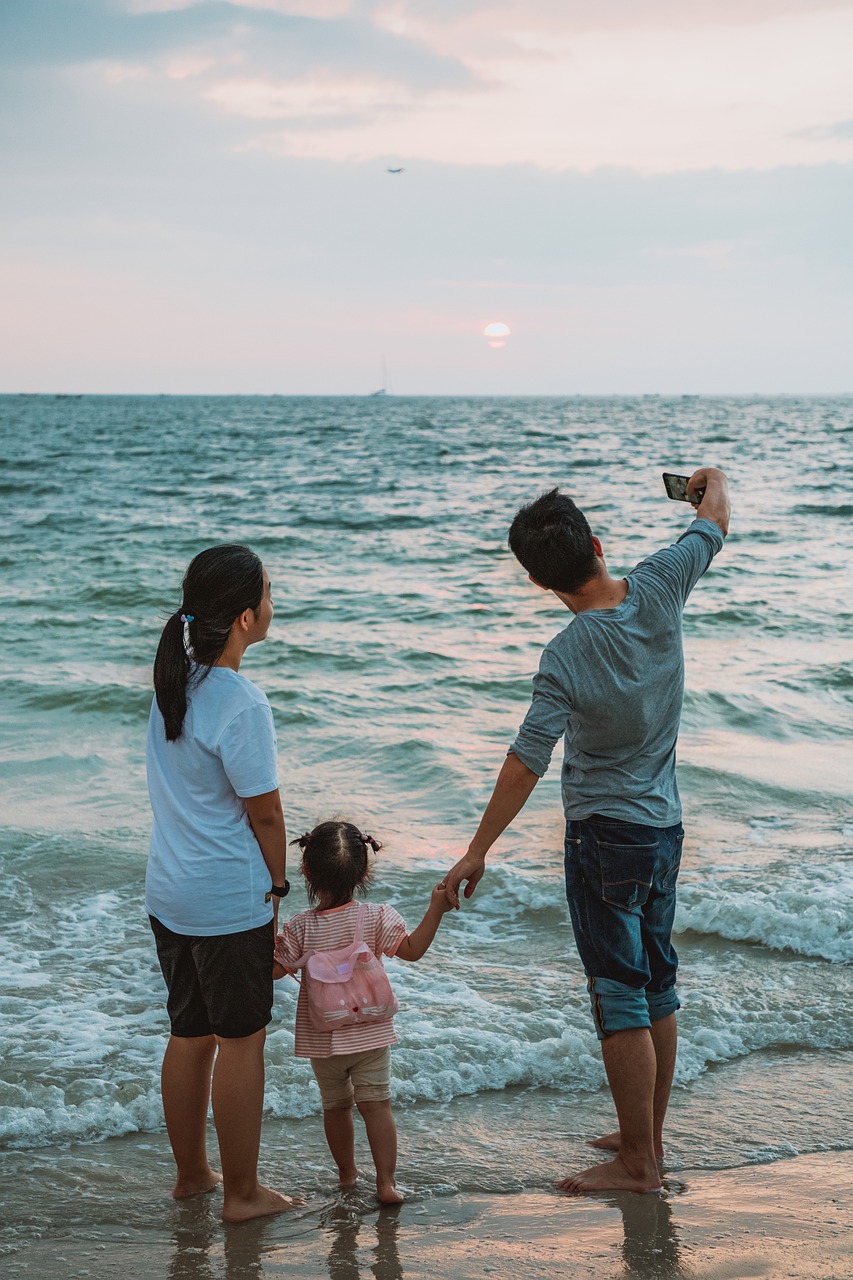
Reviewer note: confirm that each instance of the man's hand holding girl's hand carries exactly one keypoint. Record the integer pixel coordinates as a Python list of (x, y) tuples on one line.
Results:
[(468, 870)]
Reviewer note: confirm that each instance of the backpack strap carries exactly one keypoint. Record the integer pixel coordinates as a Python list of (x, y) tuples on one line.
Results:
[(359, 923), (358, 937)]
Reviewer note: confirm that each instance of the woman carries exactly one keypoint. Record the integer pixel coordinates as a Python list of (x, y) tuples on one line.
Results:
[(216, 873)]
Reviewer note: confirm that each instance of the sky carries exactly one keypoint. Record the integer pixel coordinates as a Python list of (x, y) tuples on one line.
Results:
[(653, 195)]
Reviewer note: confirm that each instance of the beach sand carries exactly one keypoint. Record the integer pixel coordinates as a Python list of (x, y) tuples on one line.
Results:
[(788, 1219)]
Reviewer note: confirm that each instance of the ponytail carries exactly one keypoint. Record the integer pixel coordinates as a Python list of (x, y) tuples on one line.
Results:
[(171, 675), (220, 584)]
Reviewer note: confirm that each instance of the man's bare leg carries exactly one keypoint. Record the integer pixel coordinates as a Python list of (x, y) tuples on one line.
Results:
[(238, 1100), (664, 1034), (629, 1059), (185, 1084), (340, 1135)]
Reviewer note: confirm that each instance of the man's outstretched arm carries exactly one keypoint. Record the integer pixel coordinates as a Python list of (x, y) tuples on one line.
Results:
[(512, 789), (715, 503)]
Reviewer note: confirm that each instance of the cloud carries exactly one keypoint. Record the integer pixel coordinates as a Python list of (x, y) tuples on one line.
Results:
[(564, 85), (838, 129), (656, 101)]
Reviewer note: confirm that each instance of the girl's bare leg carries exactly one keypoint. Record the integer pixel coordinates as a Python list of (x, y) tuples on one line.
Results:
[(238, 1100), (340, 1135), (185, 1083), (382, 1136)]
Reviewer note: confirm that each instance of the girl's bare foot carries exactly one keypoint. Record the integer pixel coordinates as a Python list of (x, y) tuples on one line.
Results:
[(197, 1186), (348, 1177), (265, 1201), (387, 1193), (613, 1141)]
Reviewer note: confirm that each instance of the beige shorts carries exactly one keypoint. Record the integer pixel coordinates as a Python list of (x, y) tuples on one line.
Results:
[(363, 1077)]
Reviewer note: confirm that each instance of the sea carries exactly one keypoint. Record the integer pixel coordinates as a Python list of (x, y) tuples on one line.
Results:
[(398, 667)]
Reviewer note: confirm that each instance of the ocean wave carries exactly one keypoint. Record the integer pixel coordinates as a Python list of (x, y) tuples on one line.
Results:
[(808, 911), (93, 699), (499, 1002), (841, 509)]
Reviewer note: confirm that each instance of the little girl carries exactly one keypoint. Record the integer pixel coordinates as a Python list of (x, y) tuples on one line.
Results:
[(352, 1063)]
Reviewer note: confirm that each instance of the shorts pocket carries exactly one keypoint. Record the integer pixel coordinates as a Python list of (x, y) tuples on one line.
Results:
[(627, 873)]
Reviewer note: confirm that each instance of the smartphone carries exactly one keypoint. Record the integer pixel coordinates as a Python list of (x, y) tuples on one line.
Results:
[(676, 488)]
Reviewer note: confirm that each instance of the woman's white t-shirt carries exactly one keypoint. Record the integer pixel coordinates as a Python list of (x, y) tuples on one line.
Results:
[(206, 873)]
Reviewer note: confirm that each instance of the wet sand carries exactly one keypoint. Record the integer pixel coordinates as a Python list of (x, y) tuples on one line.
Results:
[(789, 1219)]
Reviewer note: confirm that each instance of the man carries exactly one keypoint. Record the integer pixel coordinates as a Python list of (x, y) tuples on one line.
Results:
[(612, 683)]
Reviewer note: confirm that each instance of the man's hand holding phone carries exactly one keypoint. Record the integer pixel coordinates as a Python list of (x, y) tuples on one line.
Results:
[(707, 490)]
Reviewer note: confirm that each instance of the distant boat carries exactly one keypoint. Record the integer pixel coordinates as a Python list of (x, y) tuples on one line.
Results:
[(401, 170), (383, 390)]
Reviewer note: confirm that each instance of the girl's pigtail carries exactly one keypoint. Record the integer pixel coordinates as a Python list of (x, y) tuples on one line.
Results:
[(171, 674)]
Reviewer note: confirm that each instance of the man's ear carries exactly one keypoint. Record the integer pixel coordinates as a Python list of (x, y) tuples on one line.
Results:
[(596, 546), (530, 578)]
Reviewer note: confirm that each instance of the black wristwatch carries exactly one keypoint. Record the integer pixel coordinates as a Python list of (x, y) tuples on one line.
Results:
[(281, 890)]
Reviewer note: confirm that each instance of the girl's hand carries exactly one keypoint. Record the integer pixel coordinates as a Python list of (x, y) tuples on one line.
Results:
[(438, 899), (280, 970)]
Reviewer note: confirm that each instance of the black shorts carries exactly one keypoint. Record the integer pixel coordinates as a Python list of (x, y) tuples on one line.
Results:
[(219, 986)]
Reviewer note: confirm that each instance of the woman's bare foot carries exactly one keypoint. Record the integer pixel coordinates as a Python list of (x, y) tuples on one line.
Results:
[(265, 1201), (615, 1175), (196, 1186), (613, 1142), (387, 1193)]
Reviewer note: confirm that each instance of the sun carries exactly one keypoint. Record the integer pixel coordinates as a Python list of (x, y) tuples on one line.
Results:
[(497, 333)]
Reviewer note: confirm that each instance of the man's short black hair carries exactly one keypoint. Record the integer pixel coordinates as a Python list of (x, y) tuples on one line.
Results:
[(552, 540)]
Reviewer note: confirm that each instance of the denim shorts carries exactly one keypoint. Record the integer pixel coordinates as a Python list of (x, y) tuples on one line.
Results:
[(620, 886)]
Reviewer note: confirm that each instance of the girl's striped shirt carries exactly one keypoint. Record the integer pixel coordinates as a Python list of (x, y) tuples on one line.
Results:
[(384, 930)]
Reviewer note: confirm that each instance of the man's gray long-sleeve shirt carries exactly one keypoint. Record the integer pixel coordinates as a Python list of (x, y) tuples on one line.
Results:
[(613, 683)]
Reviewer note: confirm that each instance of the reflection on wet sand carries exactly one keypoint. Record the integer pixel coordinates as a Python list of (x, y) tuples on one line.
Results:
[(360, 1243), (352, 1235), (650, 1247), (786, 1218)]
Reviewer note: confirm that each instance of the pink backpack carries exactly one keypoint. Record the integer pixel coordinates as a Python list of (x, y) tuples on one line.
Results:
[(347, 987)]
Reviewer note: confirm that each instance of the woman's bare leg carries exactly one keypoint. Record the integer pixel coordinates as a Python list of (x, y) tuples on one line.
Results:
[(185, 1083), (238, 1102)]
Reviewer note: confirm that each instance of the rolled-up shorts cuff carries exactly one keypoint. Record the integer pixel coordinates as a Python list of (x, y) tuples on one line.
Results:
[(617, 1007), (662, 1003)]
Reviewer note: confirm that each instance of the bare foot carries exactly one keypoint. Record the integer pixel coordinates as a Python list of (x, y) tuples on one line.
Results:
[(265, 1201), (348, 1177), (613, 1142), (387, 1193), (186, 1187), (615, 1175)]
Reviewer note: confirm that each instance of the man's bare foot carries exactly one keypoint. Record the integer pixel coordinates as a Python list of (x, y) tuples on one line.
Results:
[(613, 1142), (615, 1175), (198, 1186), (387, 1193), (265, 1201), (348, 1177)]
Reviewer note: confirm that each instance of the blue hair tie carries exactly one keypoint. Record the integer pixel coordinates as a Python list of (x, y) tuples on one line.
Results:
[(187, 617)]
